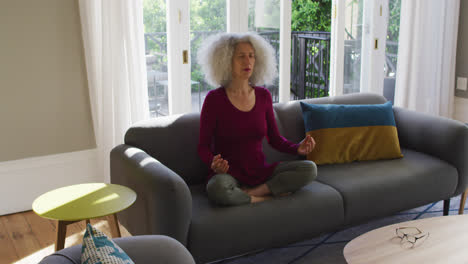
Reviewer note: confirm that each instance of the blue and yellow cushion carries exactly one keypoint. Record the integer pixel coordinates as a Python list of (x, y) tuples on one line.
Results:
[(99, 249), (346, 133)]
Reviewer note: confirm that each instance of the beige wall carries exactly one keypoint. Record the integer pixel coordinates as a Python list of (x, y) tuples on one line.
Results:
[(44, 101)]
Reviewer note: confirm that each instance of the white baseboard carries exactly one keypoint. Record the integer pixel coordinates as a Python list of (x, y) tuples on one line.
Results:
[(460, 112), (24, 180)]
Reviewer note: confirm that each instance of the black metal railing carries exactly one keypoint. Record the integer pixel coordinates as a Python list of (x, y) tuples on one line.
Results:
[(310, 64)]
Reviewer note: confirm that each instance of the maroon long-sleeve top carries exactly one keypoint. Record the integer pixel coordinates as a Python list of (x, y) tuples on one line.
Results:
[(237, 135)]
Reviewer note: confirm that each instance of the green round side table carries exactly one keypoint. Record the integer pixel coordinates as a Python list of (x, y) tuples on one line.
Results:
[(86, 201)]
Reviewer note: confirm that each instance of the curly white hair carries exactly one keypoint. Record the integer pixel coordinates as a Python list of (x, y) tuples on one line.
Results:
[(215, 58)]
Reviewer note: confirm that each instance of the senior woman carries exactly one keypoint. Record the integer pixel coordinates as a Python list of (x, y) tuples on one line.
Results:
[(237, 116)]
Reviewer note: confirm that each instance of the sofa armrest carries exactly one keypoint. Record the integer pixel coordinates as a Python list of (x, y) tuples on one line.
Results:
[(164, 202), (150, 249), (141, 249), (441, 137)]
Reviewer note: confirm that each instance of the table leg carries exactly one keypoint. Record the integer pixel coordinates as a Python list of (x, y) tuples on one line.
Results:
[(114, 225), (446, 206), (61, 233), (462, 202)]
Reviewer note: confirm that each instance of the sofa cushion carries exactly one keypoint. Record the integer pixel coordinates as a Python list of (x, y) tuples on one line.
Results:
[(315, 209), (291, 124), (373, 189), (346, 133)]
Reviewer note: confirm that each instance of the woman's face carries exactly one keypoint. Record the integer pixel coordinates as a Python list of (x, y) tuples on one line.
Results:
[(243, 61)]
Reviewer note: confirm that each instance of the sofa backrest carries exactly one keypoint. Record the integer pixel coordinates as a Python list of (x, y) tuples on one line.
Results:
[(173, 140)]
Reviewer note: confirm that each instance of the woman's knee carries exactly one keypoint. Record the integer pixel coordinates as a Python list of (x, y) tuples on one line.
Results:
[(308, 170), (223, 189), (304, 172), (219, 184), (297, 175)]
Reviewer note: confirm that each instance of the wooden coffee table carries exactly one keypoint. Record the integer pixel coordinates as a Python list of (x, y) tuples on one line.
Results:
[(446, 243), (74, 203)]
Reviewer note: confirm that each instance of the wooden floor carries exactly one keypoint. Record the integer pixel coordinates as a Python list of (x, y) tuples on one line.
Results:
[(27, 238)]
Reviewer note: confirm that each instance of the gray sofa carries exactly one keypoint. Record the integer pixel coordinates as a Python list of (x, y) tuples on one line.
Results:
[(141, 249), (159, 161)]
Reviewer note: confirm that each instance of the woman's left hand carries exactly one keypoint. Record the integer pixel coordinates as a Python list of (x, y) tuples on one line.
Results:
[(306, 145)]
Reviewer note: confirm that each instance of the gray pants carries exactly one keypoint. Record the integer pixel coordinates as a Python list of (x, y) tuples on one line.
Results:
[(289, 176)]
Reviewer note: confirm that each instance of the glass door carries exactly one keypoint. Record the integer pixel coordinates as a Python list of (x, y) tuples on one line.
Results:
[(174, 30), (391, 49), (366, 49), (207, 17), (352, 46), (264, 18), (190, 22), (154, 18)]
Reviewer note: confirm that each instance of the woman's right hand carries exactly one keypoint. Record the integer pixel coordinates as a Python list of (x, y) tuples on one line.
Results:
[(219, 165)]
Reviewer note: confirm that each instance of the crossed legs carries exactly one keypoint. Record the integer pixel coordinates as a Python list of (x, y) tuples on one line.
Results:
[(287, 177)]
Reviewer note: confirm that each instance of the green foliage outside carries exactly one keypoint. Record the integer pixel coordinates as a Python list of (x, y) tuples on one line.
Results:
[(311, 15), (393, 30), (154, 19), (154, 15)]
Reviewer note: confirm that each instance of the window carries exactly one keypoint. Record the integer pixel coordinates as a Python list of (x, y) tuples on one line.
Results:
[(264, 18), (365, 49), (154, 18), (207, 17), (352, 46)]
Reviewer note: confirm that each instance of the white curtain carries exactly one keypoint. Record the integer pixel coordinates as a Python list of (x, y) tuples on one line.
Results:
[(426, 56), (115, 59)]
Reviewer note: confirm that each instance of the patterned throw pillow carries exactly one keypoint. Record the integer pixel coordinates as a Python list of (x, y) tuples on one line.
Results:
[(99, 249), (346, 133)]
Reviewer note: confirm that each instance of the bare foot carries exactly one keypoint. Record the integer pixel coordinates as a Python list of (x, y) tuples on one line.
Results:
[(257, 199), (259, 190), (247, 190)]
